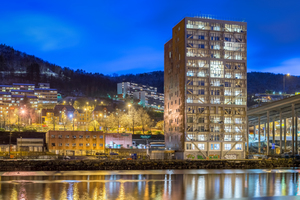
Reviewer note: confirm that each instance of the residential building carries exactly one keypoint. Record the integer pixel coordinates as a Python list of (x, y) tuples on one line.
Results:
[(44, 85), (147, 95), (75, 142), (205, 77), (12, 95), (82, 117), (23, 86), (61, 114), (102, 111), (49, 116)]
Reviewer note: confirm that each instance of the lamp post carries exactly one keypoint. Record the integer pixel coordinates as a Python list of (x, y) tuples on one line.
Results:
[(284, 79), (41, 119), (22, 112), (71, 116), (21, 148), (100, 118), (9, 143), (85, 117)]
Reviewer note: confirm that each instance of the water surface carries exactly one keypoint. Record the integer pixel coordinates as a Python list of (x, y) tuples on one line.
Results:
[(151, 184)]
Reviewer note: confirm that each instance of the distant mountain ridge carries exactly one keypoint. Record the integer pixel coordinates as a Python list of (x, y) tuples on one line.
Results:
[(17, 66)]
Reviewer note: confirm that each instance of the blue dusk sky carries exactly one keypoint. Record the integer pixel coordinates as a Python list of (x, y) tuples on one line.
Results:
[(129, 36)]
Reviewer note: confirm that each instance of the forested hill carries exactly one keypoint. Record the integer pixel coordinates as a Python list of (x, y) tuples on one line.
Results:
[(16, 66)]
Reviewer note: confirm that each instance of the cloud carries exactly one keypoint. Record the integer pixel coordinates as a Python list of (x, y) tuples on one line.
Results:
[(291, 66), (44, 32)]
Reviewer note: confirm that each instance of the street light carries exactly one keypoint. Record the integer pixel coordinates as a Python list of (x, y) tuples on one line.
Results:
[(9, 142), (71, 116), (284, 79), (85, 117), (22, 112), (100, 118)]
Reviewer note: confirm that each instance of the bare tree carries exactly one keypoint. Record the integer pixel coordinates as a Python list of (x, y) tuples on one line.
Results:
[(143, 119)]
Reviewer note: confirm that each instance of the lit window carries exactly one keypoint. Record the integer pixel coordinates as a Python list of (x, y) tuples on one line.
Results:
[(201, 146), (227, 146), (87, 144), (215, 146), (190, 146), (238, 147)]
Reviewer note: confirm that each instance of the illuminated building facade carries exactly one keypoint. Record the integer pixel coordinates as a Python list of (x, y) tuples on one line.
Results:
[(147, 95), (75, 142), (205, 74), (12, 95)]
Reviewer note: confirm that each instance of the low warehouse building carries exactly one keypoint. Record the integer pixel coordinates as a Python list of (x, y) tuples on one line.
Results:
[(77, 143)]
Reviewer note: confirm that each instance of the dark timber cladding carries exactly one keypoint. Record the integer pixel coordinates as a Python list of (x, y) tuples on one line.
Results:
[(205, 66), (277, 111)]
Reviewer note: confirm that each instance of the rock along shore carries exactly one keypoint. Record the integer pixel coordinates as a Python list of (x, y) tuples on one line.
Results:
[(68, 165)]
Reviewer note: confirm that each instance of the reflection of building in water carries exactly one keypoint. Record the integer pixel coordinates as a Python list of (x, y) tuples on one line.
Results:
[(233, 184)]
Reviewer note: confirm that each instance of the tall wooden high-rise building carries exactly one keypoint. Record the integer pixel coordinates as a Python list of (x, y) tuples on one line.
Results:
[(206, 89)]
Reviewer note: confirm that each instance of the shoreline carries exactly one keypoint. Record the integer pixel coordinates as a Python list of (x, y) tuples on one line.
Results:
[(113, 165), (146, 172)]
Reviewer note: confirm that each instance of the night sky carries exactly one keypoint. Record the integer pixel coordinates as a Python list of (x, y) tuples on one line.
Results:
[(128, 36)]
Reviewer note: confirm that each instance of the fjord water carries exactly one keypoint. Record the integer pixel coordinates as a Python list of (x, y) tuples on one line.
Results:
[(152, 184)]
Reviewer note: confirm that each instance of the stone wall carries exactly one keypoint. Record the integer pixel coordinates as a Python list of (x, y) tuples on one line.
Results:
[(67, 165)]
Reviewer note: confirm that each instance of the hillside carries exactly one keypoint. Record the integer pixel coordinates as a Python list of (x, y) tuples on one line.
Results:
[(16, 66)]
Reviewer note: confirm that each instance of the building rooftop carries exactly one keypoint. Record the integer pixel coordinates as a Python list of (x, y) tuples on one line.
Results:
[(214, 17), (61, 107), (21, 96), (29, 91), (45, 89), (28, 84), (4, 92)]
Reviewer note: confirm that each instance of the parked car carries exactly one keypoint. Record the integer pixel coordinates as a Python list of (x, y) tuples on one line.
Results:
[(101, 154), (285, 155), (67, 158)]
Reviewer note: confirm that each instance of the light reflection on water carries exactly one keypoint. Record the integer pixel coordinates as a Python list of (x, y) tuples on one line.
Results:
[(217, 184)]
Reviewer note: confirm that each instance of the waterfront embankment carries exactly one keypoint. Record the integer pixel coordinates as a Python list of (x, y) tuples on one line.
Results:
[(67, 165)]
